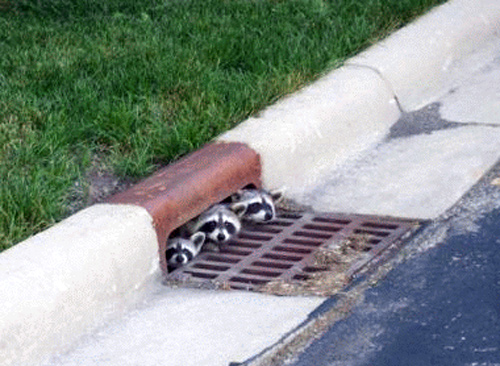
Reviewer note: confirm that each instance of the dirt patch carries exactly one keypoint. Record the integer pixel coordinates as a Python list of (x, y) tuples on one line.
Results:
[(98, 183), (102, 184), (329, 273)]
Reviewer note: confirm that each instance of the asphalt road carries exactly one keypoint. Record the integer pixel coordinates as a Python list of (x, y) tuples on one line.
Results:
[(441, 306)]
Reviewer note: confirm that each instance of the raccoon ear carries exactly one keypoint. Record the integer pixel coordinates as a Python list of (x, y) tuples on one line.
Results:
[(276, 194), (198, 239), (237, 195), (238, 208)]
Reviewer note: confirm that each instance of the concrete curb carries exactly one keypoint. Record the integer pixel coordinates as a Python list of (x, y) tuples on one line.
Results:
[(62, 282), (325, 124), (425, 59), (350, 109)]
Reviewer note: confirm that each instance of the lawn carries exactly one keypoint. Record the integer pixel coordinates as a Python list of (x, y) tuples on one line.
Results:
[(97, 94)]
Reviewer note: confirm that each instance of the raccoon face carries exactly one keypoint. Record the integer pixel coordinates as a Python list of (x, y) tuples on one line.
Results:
[(255, 205), (218, 223), (182, 250)]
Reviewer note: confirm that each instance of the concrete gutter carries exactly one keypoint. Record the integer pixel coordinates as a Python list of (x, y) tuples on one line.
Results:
[(63, 282)]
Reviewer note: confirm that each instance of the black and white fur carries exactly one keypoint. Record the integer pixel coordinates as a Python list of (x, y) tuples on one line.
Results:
[(219, 224), (255, 205), (182, 250)]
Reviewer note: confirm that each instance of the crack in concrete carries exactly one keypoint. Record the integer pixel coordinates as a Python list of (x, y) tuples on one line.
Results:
[(423, 121), (383, 78)]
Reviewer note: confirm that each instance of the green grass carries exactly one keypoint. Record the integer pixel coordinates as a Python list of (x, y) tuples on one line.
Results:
[(126, 86)]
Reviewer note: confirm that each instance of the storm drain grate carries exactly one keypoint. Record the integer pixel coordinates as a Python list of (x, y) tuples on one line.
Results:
[(294, 248)]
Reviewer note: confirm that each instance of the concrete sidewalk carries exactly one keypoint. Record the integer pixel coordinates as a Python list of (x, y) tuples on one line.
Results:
[(404, 129)]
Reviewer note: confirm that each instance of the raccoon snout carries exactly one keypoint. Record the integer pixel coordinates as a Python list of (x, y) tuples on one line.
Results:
[(221, 237), (179, 259)]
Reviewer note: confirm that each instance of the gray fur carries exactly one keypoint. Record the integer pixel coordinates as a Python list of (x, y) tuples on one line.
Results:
[(219, 223), (255, 205), (181, 250)]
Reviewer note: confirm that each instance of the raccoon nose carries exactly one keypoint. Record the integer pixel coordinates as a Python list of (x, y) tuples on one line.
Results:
[(268, 216), (179, 259), (221, 237)]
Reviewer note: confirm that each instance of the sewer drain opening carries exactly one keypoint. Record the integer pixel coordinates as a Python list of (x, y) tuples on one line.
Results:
[(297, 253)]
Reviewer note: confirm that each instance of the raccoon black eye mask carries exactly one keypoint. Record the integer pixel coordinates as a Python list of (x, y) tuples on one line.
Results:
[(182, 250), (178, 254), (255, 205), (208, 227), (218, 223), (231, 229), (212, 226)]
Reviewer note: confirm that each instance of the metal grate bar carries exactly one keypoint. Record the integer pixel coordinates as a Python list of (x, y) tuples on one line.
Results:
[(285, 249)]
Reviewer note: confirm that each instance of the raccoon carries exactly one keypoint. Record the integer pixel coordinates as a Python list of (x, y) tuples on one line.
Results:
[(219, 224), (182, 250), (255, 205)]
